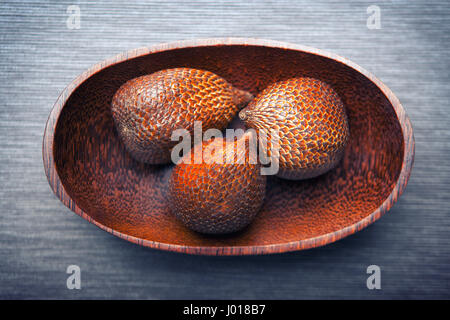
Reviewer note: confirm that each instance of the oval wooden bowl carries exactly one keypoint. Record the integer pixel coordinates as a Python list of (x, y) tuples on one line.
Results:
[(91, 173)]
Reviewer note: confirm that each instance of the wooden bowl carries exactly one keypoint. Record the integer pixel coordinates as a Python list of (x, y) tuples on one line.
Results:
[(91, 173)]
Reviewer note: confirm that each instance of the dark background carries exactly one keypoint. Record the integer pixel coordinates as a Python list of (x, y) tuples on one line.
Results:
[(40, 237)]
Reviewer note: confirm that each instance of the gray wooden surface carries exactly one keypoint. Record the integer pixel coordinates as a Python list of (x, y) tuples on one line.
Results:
[(40, 237)]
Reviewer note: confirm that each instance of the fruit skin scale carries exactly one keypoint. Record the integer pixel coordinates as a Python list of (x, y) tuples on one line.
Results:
[(146, 110), (215, 196), (311, 121)]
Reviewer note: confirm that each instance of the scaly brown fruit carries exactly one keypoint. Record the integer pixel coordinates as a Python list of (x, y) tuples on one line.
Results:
[(311, 122), (220, 194), (146, 110)]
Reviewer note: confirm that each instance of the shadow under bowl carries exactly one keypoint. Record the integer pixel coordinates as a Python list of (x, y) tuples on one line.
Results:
[(91, 173)]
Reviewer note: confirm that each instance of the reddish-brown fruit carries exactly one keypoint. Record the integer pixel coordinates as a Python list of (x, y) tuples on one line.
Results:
[(311, 122), (146, 110), (223, 192)]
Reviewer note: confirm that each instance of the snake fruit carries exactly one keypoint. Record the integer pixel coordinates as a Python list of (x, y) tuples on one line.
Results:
[(311, 122), (146, 110), (219, 194)]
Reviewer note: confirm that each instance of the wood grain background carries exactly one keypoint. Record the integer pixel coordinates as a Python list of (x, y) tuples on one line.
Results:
[(40, 237)]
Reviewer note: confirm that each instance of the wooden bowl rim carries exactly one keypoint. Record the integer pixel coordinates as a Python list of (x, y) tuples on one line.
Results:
[(400, 185)]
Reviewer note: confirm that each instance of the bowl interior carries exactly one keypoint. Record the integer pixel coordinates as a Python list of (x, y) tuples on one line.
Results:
[(130, 197)]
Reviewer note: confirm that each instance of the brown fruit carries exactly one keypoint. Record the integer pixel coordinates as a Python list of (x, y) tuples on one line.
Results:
[(218, 196), (147, 109), (312, 123)]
